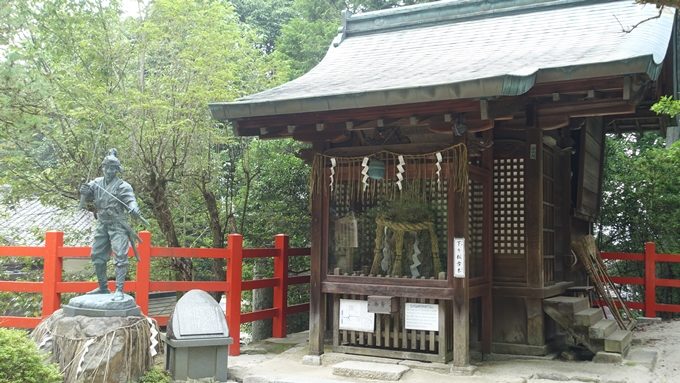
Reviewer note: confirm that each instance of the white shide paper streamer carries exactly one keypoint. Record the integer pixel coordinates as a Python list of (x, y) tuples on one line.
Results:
[(333, 163), (400, 173)]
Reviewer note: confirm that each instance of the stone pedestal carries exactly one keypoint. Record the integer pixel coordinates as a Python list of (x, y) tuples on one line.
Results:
[(100, 349), (101, 305)]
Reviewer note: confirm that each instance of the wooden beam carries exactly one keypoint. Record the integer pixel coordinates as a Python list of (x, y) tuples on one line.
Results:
[(360, 114), (502, 109)]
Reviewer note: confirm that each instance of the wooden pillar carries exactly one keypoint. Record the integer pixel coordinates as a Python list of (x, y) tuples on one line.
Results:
[(143, 272), (317, 302), (458, 228), (650, 279), (52, 269), (487, 240), (234, 276), (533, 196)]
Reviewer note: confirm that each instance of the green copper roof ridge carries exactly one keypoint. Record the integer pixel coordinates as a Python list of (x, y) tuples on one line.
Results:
[(444, 12)]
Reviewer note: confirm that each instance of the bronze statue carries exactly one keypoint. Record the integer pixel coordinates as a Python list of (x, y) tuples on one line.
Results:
[(113, 199)]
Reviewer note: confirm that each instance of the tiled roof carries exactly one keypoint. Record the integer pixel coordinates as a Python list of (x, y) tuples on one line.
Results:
[(25, 223), (468, 49)]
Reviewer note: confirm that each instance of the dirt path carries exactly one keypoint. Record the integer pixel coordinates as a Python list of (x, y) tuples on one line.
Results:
[(664, 337)]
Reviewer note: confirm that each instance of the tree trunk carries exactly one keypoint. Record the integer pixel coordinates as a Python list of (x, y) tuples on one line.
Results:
[(262, 299), (161, 209)]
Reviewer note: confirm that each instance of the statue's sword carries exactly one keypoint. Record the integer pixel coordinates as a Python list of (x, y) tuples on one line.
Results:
[(144, 221)]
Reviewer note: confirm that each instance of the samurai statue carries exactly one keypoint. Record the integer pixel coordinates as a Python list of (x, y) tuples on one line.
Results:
[(113, 200)]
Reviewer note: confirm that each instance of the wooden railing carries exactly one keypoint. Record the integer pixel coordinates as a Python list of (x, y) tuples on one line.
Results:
[(52, 285), (650, 281)]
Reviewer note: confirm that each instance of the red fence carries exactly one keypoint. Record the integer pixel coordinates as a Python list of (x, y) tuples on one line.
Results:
[(649, 281), (52, 285)]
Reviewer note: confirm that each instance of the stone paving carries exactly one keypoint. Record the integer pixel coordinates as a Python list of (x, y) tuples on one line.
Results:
[(281, 361)]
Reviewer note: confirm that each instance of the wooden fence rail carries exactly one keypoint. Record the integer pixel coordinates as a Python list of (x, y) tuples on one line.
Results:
[(649, 281), (52, 285)]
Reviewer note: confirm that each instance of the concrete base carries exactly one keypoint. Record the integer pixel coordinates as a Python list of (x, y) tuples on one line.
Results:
[(367, 370), (463, 371), (608, 357), (519, 349), (311, 360), (101, 305)]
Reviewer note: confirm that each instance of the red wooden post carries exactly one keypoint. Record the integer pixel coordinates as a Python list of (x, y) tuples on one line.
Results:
[(650, 279), (143, 272), (51, 299), (234, 275), (281, 290)]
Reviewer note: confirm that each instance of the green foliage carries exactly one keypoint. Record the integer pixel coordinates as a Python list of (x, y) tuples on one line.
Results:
[(641, 203), (266, 17), (20, 360), (641, 194), (305, 38), (667, 105), (407, 210), (155, 375)]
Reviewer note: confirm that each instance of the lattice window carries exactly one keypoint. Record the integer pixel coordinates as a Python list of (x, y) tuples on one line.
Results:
[(508, 202), (475, 228)]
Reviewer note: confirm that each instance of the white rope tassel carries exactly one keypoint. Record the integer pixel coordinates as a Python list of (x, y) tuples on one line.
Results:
[(400, 174), (364, 172), (86, 348), (333, 163), (439, 170), (154, 335)]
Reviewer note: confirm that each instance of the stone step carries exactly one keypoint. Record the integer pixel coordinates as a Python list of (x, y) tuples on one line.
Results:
[(602, 329), (369, 370), (588, 317), (568, 305), (618, 341)]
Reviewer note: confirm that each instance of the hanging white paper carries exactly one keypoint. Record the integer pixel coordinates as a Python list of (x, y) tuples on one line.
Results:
[(400, 169), (439, 170), (86, 348), (333, 163), (414, 257), (154, 335), (364, 171)]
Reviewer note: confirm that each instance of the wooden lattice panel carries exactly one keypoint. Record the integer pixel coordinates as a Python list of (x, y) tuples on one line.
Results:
[(509, 220), (509, 235), (344, 201), (475, 228), (391, 338)]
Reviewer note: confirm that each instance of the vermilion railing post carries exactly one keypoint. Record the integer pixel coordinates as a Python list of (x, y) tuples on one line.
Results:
[(52, 268), (234, 275), (143, 272), (650, 279), (281, 289)]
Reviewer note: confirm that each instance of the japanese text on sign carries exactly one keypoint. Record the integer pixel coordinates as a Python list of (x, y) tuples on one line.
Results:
[(459, 257)]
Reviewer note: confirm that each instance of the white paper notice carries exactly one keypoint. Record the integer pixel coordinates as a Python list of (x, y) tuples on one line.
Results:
[(354, 315), (421, 316), (459, 257)]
